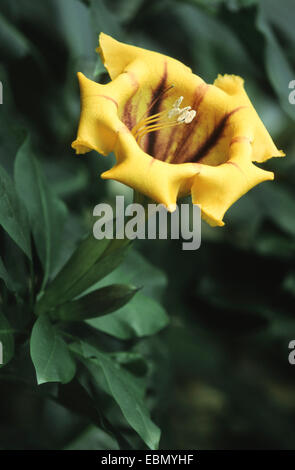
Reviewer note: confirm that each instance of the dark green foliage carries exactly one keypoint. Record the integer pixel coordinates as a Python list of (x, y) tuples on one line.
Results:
[(88, 362)]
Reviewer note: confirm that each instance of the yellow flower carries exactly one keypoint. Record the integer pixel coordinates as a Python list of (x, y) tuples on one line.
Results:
[(173, 134)]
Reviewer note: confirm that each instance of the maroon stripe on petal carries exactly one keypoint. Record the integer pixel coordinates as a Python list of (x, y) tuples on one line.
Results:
[(184, 143), (163, 155), (129, 114), (130, 108), (156, 99), (241, 138), (133, 79), (109, 98), (214, 137), (235, 165)]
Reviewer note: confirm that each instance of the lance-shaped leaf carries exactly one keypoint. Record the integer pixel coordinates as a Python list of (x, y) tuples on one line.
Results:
[(18, 45), (5, 276), (142, 316), (126, 390), (13, 216), (278, 66), (46, 212), (98, 303), (50, 354), (92, 260), (277, 202), (138, 271), (6, 340), (103, 19)]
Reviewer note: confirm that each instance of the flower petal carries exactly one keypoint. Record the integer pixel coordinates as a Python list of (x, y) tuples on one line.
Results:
[(116, 56), (211, 156), (99, 119), (160, 181), (215, 189), (248, 121)]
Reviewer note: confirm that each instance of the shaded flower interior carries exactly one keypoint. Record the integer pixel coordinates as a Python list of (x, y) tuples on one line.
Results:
[(205, 138), (151, 127)]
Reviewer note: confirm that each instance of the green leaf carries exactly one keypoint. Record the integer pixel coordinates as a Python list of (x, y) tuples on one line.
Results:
[(231, 295), (92, 438), (6, 341), (134, 362), (50, 354), (278, 66), (92, 260), (276, 245), (277, 202), (110, 259), (138, 271), (83, 258), (127, 10), (104, 20), (14, 44), (98, 303), (126, 390), (46, 213), (279, 15), (289, 283), (74, 16), (5, 276), (207, 35), (13, 216), (142, 316), (17, 45)]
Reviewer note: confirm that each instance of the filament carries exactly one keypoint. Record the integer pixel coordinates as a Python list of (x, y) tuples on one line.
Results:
[(163, 119)]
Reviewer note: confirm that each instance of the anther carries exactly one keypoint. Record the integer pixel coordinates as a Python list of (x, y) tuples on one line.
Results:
[(187, 115), (190, 116)]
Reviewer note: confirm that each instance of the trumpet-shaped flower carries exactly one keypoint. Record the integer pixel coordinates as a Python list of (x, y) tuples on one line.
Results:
[(172, 133)]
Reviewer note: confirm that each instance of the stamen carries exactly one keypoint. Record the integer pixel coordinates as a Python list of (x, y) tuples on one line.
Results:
[(163, 119), (190, 116), (175, 108), (187, 116), (155, 128)]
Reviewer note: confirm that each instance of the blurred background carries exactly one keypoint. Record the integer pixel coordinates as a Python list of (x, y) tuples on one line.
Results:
[(220, 372)]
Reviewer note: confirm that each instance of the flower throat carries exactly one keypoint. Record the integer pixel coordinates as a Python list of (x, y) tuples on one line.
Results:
[(173, 116)]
